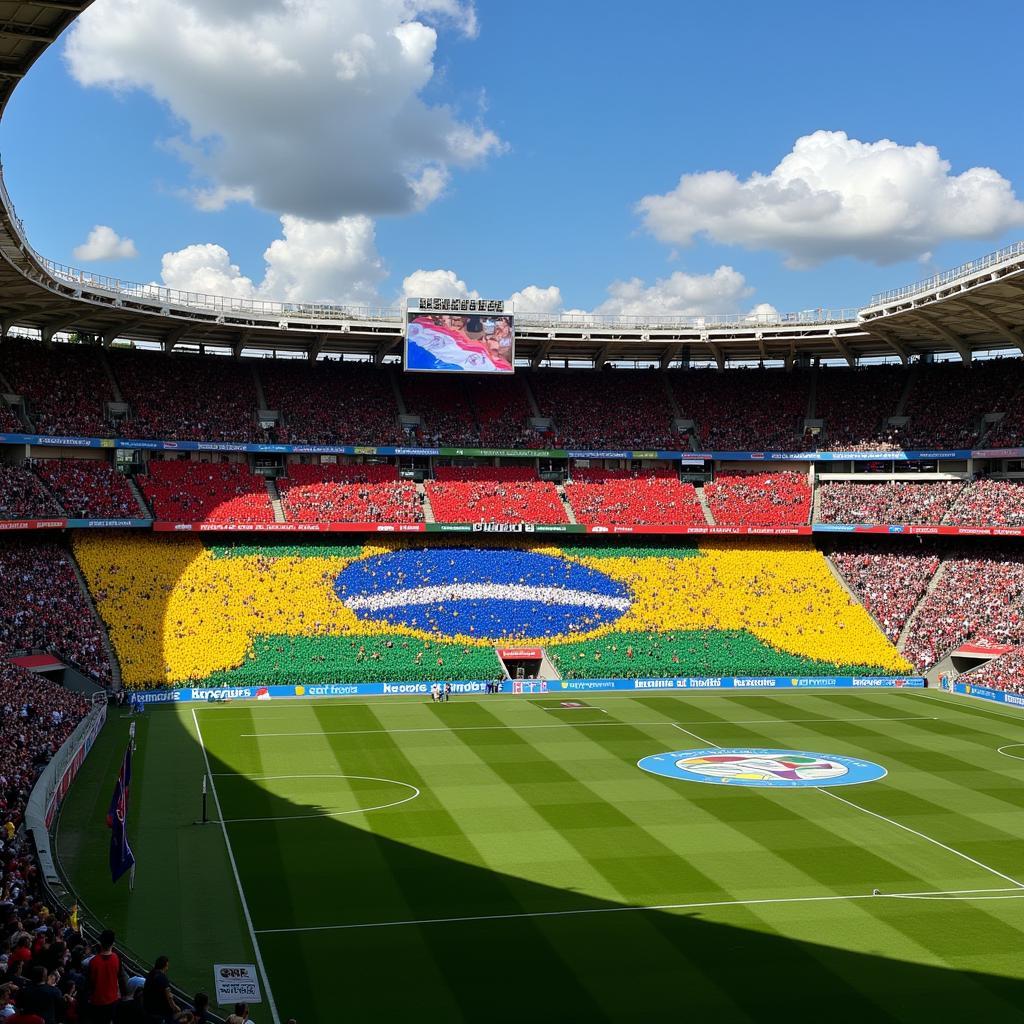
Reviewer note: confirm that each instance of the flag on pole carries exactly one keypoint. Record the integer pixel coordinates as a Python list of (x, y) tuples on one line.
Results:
[(121, 857)]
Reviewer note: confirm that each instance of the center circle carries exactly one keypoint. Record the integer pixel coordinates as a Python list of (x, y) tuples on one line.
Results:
[(490, 594), (762, 767)]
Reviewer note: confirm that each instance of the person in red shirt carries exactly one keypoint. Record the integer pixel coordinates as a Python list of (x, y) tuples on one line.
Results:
[(106, 981), (22, 952), (24, 1018)]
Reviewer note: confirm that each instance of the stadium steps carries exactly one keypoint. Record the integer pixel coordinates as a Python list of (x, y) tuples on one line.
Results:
[(932, 584), (815, 501), (44, 487), (428, 511), (705, 507), (677, 413), (261, 398), (115, 665), (952, 504), (145, 511), (841, 580), (812, 395), (531, 398), (399, 400), (563, 498), (901, 405), (275, 500), (115, 388)]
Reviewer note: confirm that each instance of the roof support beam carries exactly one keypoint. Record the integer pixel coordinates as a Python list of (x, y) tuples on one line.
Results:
[(671, 352), (173, 336), (716, 351), (542, 353), (942, 331), (1013, 335), (239, 343), (385, 348), (53, 327), (602, 356), (111, 334), (844, 350), (894, 343)]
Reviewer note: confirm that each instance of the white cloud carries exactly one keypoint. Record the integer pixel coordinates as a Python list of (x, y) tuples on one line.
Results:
[(303, 107), (311, 262), (836, 196), (679, 294), (104, 243), (442, 284), (533, 299)]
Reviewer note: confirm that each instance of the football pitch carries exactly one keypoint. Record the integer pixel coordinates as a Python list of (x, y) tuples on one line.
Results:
[(505, 858)]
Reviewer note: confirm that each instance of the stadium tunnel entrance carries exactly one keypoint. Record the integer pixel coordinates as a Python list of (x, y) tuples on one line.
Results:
[(526, 663)]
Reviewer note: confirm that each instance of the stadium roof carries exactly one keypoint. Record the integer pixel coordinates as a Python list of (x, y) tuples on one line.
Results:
[(976, 307)]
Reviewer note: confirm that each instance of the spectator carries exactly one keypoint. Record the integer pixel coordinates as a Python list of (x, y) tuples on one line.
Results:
[(221, 492), (625, 497), (898, 501), (88, 488), (157, 998), (107, 981), (493, 494), (759, 499)]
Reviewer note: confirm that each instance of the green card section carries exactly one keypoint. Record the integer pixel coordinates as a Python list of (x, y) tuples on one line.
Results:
[(285, 659), (285, 548)]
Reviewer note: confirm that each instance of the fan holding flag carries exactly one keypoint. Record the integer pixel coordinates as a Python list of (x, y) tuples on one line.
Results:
[(121, 857)]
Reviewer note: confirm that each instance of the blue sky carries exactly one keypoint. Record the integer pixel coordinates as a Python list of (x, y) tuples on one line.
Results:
[(578, 111)]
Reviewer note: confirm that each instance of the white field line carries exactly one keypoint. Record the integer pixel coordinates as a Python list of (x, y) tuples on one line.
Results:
[(238, 881), (899, 825), (244, 704), (1002, 750), (699, 739), (576, 725), (320, 814), (963, 895), (974, 705)]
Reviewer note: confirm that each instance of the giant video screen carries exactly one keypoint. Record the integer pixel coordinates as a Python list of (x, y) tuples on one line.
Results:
[(458, 341)]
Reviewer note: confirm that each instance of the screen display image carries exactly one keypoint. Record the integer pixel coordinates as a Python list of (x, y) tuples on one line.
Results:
[(459, 343)]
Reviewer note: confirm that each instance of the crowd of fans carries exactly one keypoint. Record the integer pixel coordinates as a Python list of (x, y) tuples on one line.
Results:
[(213, 492), (977, 597), (493, 494), (23, 497), (744, 409), (65, 386), (1003, 673), (187, 398), (759, 499), (618, 409), (989, 503), (889, 580), (897, 501), (42, 607), (854, 404), (348, 494), (9, 422), (331, 402), (623, 497), (335, 401), (89, 488)]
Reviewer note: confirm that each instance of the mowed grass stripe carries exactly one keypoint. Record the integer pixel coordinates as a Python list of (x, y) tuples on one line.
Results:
[(451, 870), (958, 800), (626, 853)]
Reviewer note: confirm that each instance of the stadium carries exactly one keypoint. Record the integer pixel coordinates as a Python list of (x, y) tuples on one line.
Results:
[(447, 698)]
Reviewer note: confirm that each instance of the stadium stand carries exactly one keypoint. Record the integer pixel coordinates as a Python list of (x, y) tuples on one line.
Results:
[(948, 401), (89, 488), (745, 410), (42, 607), (898, 501), (611, 409), (22, 496), (220, 492), (493, 494), (66, 386), (889, 581), (331, 402), (444, 407), (759, 499), (9, 422), (503, 412), (977, 598), (989, 503), (855, 403), (187, 398), (622, 497), (348, 494)]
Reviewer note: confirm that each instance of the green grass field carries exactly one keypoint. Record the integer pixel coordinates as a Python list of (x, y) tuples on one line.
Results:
[(521, 867)]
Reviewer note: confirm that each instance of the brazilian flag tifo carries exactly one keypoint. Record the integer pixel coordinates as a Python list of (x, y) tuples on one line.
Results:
[(181, 611)]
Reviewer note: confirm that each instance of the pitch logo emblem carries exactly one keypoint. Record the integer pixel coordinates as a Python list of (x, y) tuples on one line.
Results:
[(763, 767)]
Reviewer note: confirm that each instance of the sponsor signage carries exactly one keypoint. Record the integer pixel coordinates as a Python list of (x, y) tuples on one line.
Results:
[(236, 983), (213, 694), (1015, 700), (520, 653)]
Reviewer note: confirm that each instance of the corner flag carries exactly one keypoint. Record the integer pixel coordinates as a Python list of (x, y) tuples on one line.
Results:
[(121, 857)]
